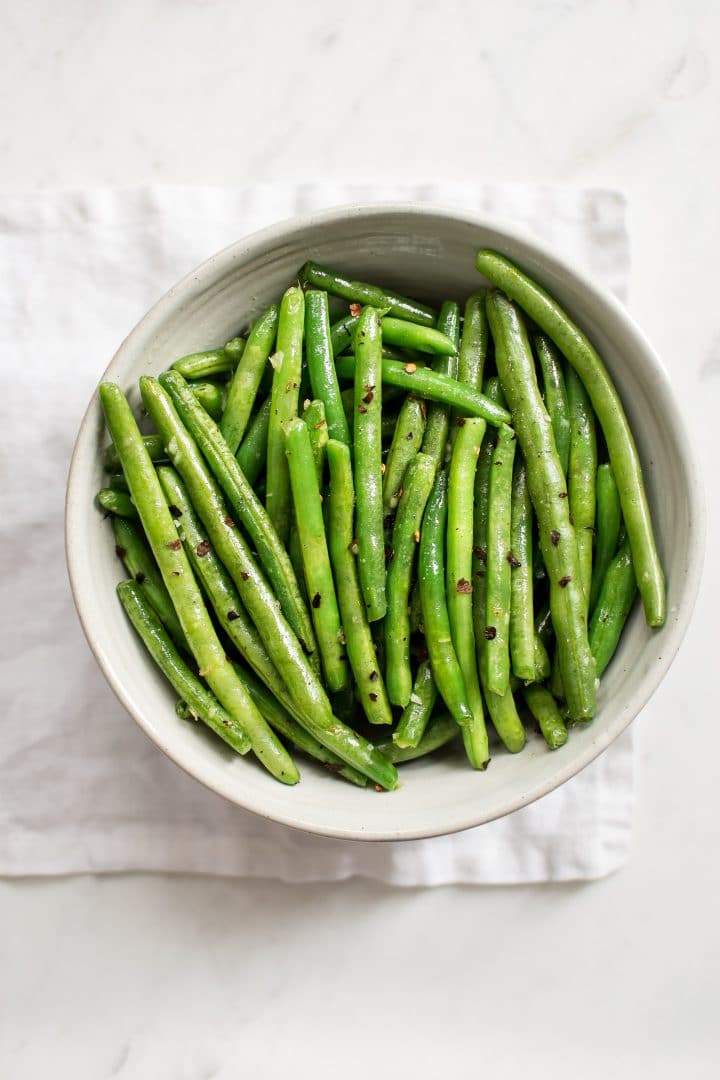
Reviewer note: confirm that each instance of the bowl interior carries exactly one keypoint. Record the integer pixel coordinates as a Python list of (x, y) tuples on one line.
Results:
[(428, 254)]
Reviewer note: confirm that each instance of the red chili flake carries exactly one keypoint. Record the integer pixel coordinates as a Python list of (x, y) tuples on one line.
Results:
[(379, 787), (369, 396), (362, 409), (410, 368), (564, 581), (174, 545), (232, 615), (355, 309), (373, 697), (139, 577), (513, 560), (316, 600), (463, 586), (480, 553), (555, 537), (320, 424), (374, 676), (490, 632), (120, 551), (244, 575), (175, 511), (460, 421), (562, 494), (203, 548), (229, 522)]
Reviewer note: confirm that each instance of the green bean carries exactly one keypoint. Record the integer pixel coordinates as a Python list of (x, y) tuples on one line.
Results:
[(543, 638), (253, 448), (539, 571), (232, 616), (117, 482), (217, 583), (435, 439), (555, 392), (406, 532), (516, 368), (613, 607), (279, 718), (415, 609), (502, 710), (442, 731), (131, 547), (315, 557), (321, 365), (210, 396), (285, 394), (202, 365), (581, 475), (358, 639), (246, 380), (286, 651), (408, 335), (431, 575), (522, 627), (498, 568), (153, 444), (235, 348), (342, 333), (387, 427), (314, 419), (368, 463), (118, 503), (473, 343), (416, 714), (360, 292), (542, 705), (245, 504), (435, 386), (609, 516), (608, 408), (461, 484), (200, 701), (182, 587), (406, 442)]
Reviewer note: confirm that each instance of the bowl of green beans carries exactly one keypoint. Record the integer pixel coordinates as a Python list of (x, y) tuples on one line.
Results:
[(384, 522)]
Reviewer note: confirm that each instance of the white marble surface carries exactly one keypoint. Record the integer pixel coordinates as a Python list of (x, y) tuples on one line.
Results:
[(182, 979)]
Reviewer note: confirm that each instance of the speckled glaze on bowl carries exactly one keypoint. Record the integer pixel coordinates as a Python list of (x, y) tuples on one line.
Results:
[(428, 253)]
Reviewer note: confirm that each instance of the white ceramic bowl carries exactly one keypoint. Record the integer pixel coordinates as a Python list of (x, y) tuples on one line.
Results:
[(430, 254)]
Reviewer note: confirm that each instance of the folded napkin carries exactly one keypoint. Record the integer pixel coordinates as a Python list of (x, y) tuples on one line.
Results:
[(81, 788)]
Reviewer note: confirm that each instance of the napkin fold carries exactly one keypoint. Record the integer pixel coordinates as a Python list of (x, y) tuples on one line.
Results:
[(81, 788)]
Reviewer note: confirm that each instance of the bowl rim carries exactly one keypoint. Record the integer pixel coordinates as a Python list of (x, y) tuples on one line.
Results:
[(215, 267)]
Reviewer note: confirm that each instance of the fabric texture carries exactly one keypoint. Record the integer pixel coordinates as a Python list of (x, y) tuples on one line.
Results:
[(81, 788)]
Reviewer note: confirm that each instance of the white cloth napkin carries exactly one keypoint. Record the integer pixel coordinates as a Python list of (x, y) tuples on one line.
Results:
[(81, 788)]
